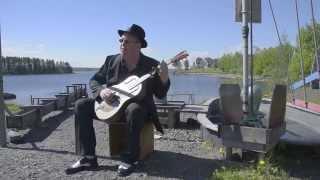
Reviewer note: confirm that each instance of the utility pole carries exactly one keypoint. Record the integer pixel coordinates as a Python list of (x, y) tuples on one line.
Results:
[(247, 11), (3, 128), (245, 32)]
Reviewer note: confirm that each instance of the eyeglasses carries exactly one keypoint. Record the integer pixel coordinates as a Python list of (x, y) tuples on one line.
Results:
[(125, 41)]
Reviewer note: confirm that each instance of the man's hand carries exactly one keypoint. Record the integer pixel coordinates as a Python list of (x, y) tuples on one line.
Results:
[(106, 94), (163, 73)]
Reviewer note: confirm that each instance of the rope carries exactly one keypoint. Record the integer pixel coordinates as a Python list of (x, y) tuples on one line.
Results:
[(314, 37), (281, 46), (301, 56), (275, 22)]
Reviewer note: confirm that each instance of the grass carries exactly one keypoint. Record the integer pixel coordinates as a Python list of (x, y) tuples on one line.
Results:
[(270, 168), (14, 108), (262, 171), (285, 161)]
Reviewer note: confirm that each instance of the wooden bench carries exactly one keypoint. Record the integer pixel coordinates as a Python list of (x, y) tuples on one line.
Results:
[(118, 138), (171, 111)]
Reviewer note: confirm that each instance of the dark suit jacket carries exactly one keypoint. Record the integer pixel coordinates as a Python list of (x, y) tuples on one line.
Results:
[(112, 73)]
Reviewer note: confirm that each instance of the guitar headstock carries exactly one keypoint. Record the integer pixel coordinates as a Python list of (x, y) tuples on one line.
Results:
[(181, 55)]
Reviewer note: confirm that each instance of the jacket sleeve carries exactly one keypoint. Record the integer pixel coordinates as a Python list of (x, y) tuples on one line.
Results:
[(159, 88), (99, 79)]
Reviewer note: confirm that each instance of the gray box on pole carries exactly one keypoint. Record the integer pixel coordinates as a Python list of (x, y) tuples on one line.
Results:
[(256, 7)]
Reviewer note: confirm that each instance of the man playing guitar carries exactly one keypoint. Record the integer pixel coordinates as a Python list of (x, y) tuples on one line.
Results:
[(141, 108)]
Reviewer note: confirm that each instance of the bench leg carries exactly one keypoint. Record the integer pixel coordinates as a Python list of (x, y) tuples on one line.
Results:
[(171, 118), (228, 153), (77, 141)]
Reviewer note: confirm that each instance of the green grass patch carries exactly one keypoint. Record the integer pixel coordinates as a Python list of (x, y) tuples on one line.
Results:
[(14, 108), (262, 171)]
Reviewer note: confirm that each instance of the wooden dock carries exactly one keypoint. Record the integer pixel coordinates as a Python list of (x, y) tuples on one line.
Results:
[(31, 115)]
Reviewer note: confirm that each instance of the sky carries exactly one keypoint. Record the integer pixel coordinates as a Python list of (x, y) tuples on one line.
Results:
[(84, 32)]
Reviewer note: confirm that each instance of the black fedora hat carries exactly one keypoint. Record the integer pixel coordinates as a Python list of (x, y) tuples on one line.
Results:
[(136, 31)]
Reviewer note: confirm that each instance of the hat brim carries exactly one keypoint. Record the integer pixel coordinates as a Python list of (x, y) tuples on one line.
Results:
[(143, 41)]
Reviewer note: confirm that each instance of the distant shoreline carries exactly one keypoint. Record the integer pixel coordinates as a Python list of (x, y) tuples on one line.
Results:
[(220, 75), (84, 69)]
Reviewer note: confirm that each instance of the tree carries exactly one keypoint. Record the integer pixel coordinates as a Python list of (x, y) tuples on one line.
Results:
[(186, 64), (200, 62), (211, 62), (308, 52)]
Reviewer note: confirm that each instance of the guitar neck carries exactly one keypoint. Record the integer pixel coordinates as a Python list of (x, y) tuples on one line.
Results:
[(143, 78)]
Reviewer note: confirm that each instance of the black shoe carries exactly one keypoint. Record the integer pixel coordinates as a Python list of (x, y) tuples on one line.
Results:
[(126, 169), (83, 164), (126, 157)]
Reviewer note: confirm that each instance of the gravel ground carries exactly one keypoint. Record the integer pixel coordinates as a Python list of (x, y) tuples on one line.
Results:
[(180, 154), (49, 149)]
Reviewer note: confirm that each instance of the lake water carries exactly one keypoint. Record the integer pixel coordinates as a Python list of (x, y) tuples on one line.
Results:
[(201, 86)]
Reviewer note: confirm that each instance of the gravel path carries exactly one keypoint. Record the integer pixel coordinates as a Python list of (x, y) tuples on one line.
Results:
[(49, 149), (180, 154)]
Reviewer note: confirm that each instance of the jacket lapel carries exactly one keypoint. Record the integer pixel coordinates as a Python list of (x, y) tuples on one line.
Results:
[(114, 70)]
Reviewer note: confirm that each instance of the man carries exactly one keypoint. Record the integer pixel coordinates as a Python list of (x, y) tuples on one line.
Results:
[(116, 68)]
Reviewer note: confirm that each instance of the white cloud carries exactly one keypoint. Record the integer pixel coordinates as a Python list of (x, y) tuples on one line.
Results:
[(194, 54), (30, 50)]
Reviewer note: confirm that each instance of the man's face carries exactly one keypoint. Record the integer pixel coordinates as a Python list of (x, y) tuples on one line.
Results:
[(129, 45)]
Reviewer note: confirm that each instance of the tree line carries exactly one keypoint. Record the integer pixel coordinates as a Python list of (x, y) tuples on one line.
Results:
[(27, 65), (277, 62)]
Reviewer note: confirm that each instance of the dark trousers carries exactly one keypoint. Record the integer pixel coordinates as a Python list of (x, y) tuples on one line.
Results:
[(134, 114)]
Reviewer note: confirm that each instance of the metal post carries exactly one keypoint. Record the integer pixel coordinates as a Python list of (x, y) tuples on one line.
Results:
[(245, 30), (3, 128), (251, 62), (301, 56)]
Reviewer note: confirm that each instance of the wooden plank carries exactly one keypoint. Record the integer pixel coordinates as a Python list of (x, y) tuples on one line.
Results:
[(62, 101), (251, 138), (193, 108), (249, 146), (251, 134), (47, 108), (278, 106), (26, 119), (231, 103)]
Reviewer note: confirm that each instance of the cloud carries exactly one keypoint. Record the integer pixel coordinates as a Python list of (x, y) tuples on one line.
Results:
[(194, 54), (27, 49)]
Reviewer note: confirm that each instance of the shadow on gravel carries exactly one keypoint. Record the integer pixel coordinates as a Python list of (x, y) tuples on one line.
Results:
[(35, 148), (190, 124), (46, 127), (167, 164)]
